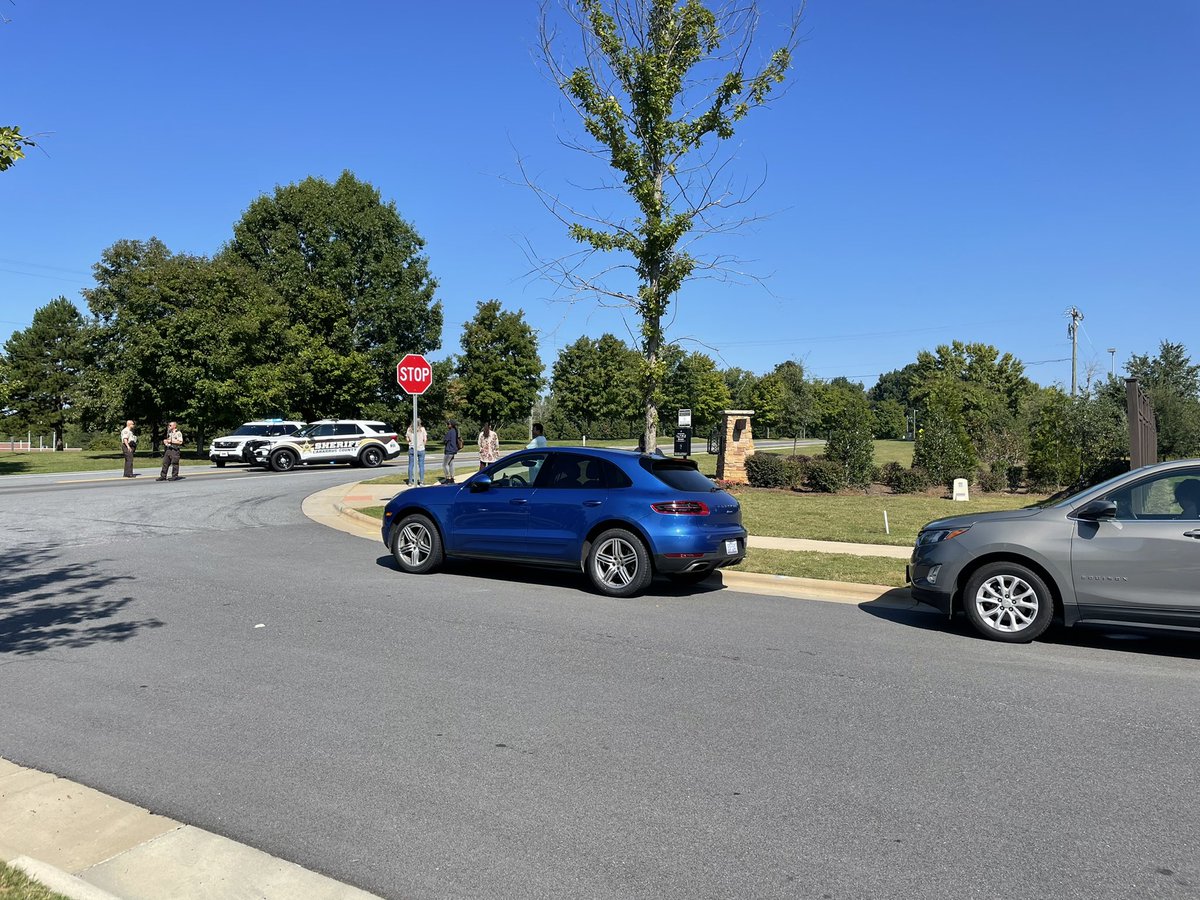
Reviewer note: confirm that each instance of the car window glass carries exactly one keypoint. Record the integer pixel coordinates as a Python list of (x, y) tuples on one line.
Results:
[(678, 473), (323, 430), (613, 476), (519, 472), (1170, 495), (569, 470), (346, 429)]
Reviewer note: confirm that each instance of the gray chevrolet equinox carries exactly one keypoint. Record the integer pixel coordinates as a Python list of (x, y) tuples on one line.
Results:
[(1125, 552)]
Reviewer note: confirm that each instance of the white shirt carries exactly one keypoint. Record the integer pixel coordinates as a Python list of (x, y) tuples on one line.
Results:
[(128, 437), (539, 441), (421, 438)]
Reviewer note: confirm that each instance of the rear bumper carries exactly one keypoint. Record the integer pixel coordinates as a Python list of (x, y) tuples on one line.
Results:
[(714, 552)]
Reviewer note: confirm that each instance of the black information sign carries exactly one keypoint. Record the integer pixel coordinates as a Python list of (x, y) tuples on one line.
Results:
[(683, 440)]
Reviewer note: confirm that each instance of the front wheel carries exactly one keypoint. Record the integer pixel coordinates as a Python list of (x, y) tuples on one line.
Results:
[(220, 463), (618, 564), (372, 458), (416, 545), (1008, 602), (283, 460)]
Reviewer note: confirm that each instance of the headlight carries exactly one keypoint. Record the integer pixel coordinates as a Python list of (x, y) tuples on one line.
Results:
[(937, 535)]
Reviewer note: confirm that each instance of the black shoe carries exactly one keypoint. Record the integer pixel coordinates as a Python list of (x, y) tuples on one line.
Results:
[(161, 478), (175, 478)]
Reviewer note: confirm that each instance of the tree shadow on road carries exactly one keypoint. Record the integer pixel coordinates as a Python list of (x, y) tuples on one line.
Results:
[(46, 604)]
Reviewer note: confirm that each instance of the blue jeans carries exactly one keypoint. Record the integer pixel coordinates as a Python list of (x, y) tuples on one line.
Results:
[(421, 464)]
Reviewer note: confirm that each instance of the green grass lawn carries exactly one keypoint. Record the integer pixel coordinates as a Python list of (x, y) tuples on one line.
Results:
[(858, 519), (826, 566), (87, 461), (16, 885)]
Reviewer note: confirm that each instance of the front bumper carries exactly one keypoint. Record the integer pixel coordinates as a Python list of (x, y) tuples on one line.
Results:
[(932, 574), (225, 455)]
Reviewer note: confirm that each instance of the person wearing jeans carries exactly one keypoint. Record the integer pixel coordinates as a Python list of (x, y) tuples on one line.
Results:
[(453, 444), (416, 448)]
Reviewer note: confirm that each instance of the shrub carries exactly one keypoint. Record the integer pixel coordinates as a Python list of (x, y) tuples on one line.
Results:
[(851, 443), (795, 468), (766, 470), (1015, 476), (826, 475), (908, 481), (992, 482), (889, 472), (943, 449)]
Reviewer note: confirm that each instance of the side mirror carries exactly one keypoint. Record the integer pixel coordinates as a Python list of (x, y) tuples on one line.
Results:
[(1095, 510), (481, 483)]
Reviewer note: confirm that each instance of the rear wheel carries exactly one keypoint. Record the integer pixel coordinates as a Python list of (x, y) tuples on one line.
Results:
[(618, 563), (372, 458), (1009, 602), (283, 460), (416, 545)]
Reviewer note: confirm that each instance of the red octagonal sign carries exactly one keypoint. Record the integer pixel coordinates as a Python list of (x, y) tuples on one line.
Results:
[(414, 374)]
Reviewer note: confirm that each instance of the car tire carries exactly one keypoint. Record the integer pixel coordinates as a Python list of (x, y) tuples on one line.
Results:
[(220, 463), (371, 457), (1006, 601), (283, 460), (416, 545), (691, 577), (618, 564)]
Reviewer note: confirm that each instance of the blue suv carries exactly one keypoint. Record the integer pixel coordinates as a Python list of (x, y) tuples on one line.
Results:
[(618, 515)]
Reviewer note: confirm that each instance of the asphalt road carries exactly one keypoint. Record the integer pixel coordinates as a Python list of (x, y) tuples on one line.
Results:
[(202, 649)]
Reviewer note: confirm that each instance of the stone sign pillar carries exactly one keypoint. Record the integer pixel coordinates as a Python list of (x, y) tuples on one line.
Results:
[(737, 442)]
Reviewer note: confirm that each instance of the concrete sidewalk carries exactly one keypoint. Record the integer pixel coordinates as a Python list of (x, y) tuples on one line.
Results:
[(90, 846), (338, 507)]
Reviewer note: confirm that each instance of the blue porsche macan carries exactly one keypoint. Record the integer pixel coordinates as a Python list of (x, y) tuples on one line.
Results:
[(618, 515)]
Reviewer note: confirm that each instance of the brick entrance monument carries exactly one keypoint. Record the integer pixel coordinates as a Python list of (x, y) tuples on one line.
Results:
[(736, 443)]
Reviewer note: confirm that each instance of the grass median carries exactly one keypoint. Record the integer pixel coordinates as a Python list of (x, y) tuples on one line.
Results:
[(67, 461)]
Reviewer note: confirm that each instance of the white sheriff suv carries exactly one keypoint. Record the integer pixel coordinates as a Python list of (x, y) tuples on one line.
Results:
[(230, 447), (361, 442)]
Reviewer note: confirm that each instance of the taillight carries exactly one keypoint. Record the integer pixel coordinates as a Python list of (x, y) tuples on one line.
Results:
[(681, 508)]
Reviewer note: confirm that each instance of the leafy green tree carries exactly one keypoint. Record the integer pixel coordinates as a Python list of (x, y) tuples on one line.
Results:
[(895, 385), (942, 447), (499, 371), (44, 365), (692, 381), (12, 145), (1173, 383), (619, 385), (184, 337), (356, 287), (740, 384), (851, 441), (575, 383), (1074, 442), (653, 105), (891, 423)]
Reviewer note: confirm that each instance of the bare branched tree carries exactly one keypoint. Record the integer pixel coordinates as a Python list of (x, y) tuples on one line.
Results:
[(658, 86)]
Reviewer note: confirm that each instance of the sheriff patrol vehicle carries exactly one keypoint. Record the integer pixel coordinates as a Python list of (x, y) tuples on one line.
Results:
[(230, 447), (357, 441)]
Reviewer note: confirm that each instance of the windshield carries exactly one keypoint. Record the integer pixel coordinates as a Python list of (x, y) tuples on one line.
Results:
[(249, 431), (1068, 496)]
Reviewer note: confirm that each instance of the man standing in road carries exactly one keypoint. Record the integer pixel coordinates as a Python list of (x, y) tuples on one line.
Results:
[(128, 445), (416, 448), (171, 445), (453, 444)]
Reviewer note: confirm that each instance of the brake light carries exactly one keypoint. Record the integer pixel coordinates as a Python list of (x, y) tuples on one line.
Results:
[(681, 508)]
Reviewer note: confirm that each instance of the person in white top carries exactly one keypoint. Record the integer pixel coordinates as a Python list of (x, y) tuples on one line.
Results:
[(416, 448), (128, 445), (539, 437)]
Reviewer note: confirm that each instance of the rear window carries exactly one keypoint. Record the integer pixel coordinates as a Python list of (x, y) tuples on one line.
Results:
[(680, 474)]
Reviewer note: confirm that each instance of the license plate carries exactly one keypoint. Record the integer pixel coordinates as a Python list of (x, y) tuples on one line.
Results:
[(731, 547)]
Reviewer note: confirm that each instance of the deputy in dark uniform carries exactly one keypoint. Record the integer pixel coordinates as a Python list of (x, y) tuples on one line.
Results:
[(171, 445)]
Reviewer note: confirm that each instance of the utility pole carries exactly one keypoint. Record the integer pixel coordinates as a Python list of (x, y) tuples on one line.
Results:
[(1073, 331), (1112, 361)]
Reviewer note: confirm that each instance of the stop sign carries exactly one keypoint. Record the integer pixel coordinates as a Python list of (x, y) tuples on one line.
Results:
[(414, 374)]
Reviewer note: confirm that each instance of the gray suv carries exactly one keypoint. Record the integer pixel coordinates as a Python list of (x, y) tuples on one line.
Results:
[(1125, 552)]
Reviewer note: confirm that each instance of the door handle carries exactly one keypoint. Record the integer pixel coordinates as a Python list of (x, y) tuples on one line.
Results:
[(518, 501), (592, 502), (1194, 533)]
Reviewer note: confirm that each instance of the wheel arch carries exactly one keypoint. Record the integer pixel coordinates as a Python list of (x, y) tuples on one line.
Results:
[(603, 526), (412, 508), (1056, 591)]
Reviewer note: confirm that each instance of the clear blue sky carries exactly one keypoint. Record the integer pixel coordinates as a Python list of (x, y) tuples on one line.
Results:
[(937, 170)]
